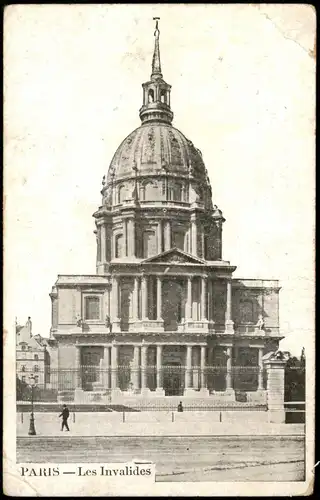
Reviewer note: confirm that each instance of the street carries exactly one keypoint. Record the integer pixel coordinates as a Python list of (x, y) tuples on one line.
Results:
[(201, 458)]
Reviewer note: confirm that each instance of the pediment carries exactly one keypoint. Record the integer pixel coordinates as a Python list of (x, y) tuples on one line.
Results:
[(174, 256)]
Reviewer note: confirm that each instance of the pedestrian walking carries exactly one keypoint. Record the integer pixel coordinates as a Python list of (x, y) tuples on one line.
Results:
[(65, 415), (180, 407)]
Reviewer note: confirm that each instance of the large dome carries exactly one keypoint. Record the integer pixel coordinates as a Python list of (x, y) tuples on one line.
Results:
[(153, 148)]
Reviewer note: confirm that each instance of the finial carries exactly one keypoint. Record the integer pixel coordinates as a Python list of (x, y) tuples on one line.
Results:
[(156, 64)]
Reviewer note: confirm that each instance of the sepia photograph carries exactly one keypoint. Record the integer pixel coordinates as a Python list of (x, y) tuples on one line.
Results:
[(159, 249)]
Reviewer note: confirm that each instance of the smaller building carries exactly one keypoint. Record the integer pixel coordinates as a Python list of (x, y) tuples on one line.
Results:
[(32, 356)]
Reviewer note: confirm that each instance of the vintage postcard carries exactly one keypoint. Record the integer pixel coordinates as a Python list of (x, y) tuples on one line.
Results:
[(159, 201)]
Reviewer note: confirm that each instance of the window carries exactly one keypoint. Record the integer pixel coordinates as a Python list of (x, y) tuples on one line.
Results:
[(163, 96), (36, 357), (246, 308), (23, 378), (151, 95), (118, 245), (121, 191), (175, 192), (36, 368), (23, 368), (92, 308)]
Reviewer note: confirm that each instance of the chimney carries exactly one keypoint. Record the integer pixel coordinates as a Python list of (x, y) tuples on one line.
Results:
[(29, 326)]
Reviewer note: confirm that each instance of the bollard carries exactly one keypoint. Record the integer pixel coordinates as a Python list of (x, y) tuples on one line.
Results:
[(220, 417), (22, 417), (74, 417), (123, 416), (172, 417)]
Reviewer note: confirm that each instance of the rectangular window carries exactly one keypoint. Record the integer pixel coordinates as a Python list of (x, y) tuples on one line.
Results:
[(92, 308)]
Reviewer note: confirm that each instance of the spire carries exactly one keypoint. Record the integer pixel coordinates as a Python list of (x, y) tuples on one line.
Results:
[(156, 63), (156, 92)]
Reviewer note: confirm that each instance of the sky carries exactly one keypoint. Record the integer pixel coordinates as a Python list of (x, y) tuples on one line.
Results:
[(243, 90)]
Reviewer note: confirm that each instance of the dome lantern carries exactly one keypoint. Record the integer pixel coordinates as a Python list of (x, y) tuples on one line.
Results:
[(156, 92)]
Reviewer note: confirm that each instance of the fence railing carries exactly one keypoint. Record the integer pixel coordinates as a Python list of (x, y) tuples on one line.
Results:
[(50, 382)]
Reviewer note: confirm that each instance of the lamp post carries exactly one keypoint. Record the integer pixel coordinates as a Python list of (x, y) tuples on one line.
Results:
[(32, 429)]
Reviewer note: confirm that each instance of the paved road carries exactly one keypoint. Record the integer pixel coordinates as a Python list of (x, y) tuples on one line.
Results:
[(204, 458)]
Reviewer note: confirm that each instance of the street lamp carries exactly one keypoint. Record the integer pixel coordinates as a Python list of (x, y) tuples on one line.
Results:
[(32, 429)]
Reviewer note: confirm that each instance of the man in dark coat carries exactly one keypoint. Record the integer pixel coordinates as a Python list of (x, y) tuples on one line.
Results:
[(180, 407), (65, 415)]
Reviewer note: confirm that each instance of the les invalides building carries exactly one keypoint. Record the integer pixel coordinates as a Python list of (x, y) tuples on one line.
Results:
[(162, 319)]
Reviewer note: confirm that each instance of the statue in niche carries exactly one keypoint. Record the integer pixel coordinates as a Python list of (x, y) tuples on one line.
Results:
[(260, 323)]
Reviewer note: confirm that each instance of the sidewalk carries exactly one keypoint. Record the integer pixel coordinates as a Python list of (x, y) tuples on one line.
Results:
[(156, 424)]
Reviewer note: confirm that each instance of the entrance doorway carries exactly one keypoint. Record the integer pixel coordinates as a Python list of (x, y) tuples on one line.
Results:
[(173, 379), (90, 366)]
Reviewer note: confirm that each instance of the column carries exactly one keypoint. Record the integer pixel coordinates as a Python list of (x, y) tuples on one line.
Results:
[(229, 322), (106, 367), (188, 373), (78, 367), (159, 229), (210, 377), (125, 236), (103, 242), (144, 299), (115, 299), (159, 368), (159, 298), (135, 305), (144, 351), (203, 298), (189, 299), (114, 367), (260, 364), (229, 369), (135, 368), (202, 367), (194, 236), (131, 235), (167, 235), (210, 300)]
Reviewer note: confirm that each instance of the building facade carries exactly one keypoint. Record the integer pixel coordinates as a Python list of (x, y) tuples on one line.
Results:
[(163, 315), (32, 356)]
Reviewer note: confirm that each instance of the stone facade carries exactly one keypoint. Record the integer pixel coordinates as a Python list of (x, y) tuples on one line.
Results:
[(163, 314), (32, 356)]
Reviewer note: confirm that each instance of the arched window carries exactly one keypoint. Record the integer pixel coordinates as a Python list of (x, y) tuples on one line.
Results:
[(151, 95), (36, 368), (120, 193), (36, 357), (175, 191), (92, 308), (163, 96), (246, 311), (118, 246)]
